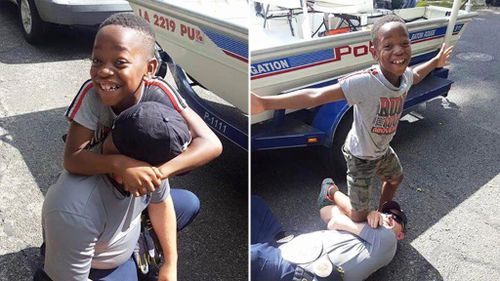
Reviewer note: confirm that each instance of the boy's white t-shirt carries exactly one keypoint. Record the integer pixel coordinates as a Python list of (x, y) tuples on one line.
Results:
[(378, 106)]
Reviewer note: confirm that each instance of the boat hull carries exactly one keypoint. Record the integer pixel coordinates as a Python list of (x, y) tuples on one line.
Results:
[(214, 52), (304, 64)]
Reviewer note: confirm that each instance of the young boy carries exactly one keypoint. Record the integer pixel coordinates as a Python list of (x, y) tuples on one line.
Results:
[(123, 65), (377, 95)]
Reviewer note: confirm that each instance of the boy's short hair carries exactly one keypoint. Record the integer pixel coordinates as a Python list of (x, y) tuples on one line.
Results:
[(383, 20), (130, 20), (151, 132)]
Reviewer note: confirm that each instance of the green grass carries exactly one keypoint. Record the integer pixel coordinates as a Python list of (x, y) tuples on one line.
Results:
[(442, 3)]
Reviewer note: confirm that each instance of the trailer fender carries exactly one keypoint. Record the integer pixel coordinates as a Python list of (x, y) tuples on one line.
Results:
[(328, 118)]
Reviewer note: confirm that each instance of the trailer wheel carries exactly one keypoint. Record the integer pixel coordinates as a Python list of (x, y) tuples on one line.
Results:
[(333, 156), (32, 26)]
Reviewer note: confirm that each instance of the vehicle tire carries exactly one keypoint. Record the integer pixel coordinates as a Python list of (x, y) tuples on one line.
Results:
[(333, 156), (32, 26)]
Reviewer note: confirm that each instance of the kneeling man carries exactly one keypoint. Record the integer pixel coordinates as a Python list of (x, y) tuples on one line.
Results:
[(91, 225)]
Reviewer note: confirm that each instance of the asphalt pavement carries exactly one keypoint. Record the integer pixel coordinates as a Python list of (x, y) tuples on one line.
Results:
[(36, 85), (450, 153)]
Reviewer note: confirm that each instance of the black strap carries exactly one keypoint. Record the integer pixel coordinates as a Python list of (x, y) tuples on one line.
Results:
[(118, 186), (302, 275)]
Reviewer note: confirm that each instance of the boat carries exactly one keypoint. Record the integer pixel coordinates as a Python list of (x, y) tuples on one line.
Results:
[(208, 41), (282, 62)]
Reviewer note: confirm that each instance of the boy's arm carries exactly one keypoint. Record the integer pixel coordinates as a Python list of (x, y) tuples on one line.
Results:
[(204, 147), (304, 98), (78, 160), (164, 222), (440, 60)]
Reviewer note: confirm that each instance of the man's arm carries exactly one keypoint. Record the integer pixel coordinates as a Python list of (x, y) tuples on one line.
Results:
[(339, 221), (204, 147), (440, 60), (298, 99), (164, 222)]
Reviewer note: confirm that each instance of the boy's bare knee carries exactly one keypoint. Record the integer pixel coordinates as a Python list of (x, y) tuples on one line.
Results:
[(326, 213), (396, 181)]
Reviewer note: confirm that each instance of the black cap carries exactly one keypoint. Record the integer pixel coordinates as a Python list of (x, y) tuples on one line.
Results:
[(150, 132), (392, 207)]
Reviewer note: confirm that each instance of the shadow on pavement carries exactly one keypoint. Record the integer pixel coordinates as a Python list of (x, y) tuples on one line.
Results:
[(37, 136), (21, 265), (408, 264), (443, 166), (63, 43), (217, 240)]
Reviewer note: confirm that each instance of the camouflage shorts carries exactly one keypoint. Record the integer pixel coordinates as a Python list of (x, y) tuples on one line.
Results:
[(360, 175)]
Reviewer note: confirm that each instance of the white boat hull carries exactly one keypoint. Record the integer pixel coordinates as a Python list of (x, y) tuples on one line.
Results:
[(301, 64), (211, 50)]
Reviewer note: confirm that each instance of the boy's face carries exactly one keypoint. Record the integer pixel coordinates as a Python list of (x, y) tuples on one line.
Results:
[(392, 50), (119, 64)]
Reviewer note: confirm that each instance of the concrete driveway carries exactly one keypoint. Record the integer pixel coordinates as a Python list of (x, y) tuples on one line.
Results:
[(36, 85), (450, 152)]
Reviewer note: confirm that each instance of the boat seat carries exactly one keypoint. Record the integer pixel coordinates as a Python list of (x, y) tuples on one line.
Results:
[(282, 9), (343, 6), (348, 11)]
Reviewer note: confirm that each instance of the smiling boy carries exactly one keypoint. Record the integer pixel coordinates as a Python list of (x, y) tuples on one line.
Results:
[(377, 96), (122, 75)]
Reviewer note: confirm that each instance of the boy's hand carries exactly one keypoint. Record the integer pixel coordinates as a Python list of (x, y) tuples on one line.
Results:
[(256, 104), (374, 219), (138, 177), (443, 55)]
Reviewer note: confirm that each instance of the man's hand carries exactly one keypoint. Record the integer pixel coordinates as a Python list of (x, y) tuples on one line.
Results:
[(443, 56), (167, 273), (256, 104), (374, 219), (138, 177)]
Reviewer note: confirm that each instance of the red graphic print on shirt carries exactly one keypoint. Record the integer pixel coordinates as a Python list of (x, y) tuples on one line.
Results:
[(387, 119)]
